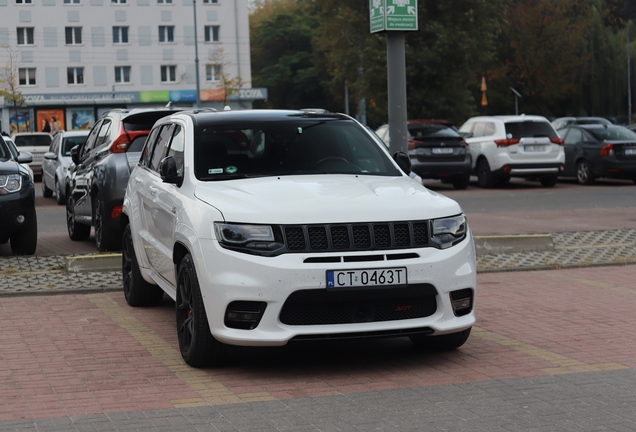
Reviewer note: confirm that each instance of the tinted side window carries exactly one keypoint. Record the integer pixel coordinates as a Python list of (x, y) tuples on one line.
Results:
[(161, 146), (104, 133), (530, 129), (573, 137), (466, 129), (176, 147), (149, 147), (480, 128), (489, 129), (92, 136)]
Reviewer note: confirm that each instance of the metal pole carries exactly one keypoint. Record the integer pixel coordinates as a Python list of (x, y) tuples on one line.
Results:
[(629, 83), (396, 77), (346, 95), (196, 54)]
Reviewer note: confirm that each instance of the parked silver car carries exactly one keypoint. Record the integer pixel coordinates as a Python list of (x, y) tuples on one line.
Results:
[(36, 143), (56, 163)]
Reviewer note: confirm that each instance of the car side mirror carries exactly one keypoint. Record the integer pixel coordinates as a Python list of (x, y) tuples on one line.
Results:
[(168, 171), (75, 151), (50, 156), (24, 157), (403, 160)]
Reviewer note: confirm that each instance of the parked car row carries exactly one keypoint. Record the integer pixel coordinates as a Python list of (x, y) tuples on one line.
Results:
[(496, 148)]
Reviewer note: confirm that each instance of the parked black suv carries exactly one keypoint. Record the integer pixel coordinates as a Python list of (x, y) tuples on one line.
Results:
[(98, 179), (18, 221)]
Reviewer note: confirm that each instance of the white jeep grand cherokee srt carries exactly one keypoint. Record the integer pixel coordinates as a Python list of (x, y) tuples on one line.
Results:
[(271, 226)]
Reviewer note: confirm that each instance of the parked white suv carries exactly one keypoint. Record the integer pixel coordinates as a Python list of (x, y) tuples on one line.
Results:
[(266, 226), (514, 146)]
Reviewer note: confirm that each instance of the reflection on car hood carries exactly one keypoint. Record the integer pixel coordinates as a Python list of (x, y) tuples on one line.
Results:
[(324, 199), (9, 167)]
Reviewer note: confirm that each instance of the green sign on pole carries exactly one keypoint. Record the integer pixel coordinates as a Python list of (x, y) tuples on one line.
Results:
[(376, 9), (393, 15)]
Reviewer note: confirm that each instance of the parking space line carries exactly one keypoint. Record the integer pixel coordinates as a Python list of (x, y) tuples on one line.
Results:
[(565, 365), (210, 391)]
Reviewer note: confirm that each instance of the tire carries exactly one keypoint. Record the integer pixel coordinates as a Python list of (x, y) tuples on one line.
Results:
[(106, 239), (583, 174), (137, 291), (24, 242), (197, 345), (46, 192), (484, 175), (461, 183), (548, 181), (76, 230), (59, 196), (441, 343)]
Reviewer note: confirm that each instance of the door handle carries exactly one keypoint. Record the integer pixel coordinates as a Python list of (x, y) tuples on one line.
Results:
[(153, 190), (137, 180)]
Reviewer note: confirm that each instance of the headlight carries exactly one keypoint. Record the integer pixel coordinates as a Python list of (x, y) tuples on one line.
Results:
[(449, 231), (10, 183), (236, 234)]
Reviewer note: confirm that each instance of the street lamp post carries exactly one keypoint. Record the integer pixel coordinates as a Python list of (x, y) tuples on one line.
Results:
[(196, 54)]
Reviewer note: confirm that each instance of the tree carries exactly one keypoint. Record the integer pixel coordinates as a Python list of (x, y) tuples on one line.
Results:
[(281, 35), (9, 80), (224, 82)]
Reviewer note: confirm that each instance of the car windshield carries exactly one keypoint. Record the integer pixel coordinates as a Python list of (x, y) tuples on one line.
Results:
[(4, 151), (432, 131), (32, 140), (530, 129), (613, 133), (70, 142), (302, 146)]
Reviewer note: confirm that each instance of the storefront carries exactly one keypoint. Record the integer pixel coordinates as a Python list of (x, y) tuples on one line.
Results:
[(51, 112)]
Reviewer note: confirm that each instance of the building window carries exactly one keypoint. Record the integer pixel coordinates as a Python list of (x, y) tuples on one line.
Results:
[(75, 75), (212, 33), (213, 72), (26, 76), (120, 35), (166, 34), (210, 1), (25, 36), (122, 74), (23, 1), (168, 74), (118, 1), (73, 35), (71, 1), (164, 1)]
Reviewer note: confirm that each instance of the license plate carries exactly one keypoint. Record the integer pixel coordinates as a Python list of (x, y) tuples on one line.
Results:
[(366, 278), (441, 150), (630, 151), (533, 148)]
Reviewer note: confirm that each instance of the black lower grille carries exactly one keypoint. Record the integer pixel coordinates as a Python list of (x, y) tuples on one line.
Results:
[(321, 307)]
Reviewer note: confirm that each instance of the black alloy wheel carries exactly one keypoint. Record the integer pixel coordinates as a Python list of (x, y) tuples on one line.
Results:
[(197, 345), (137, 291), (106, 239), (76, 230)]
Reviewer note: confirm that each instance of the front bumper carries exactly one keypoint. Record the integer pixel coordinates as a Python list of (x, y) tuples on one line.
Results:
[(13, 205), (226, 276)]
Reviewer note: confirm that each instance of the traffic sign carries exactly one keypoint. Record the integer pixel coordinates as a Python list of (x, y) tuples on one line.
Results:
[(393, 15)]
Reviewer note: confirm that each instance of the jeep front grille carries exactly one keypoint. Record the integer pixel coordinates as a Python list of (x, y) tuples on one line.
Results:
[(356, 237)]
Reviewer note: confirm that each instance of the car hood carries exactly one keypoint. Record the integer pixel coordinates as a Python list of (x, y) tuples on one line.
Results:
[(9, 167), (324, 199)]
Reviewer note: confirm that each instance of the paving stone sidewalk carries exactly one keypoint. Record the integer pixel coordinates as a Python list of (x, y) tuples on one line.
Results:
[(49, 274)]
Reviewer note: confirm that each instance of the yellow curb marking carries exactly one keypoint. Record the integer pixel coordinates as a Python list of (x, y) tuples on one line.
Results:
[(210, 391), (565, 365)]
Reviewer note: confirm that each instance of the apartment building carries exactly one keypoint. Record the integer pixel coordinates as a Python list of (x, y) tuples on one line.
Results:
[(72, 60)]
